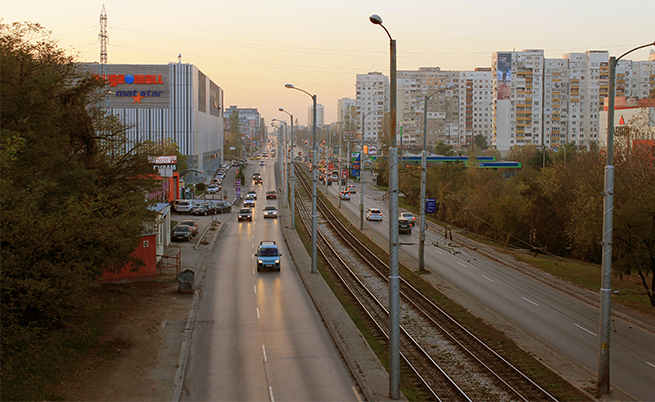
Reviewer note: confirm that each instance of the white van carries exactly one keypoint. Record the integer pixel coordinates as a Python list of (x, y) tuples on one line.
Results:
[(182, 206)]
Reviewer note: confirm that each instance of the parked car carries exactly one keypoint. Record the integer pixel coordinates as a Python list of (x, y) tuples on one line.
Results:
[(409, 216), (270, 211), (268, 256), (271, 195), (181, 232), (204, 208), (183, 206), (404, 226), (345, 196), (249, 202), (193, 225), (245, 214), (213, 188), (374, 214), (223, 207)]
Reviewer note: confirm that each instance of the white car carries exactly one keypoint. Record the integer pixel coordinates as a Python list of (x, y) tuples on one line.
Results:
[(213, 189), (252, 193), (270, 211), (374, 214), (249, 202), (345, 196)]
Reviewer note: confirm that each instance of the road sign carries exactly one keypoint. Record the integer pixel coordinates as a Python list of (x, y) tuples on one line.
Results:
[(344, 174), (431, 206), (238, 187)]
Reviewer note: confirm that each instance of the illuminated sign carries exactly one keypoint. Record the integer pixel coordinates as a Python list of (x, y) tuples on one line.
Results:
[(140, 79)]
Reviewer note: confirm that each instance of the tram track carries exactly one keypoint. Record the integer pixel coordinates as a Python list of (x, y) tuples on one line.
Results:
[(446, 359)]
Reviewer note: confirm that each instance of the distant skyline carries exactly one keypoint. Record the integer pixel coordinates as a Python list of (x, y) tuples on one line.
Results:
[(251, 49)]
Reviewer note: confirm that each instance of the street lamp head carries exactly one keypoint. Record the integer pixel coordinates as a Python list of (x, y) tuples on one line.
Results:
[(290, 86), (376, 19), (281, 110)]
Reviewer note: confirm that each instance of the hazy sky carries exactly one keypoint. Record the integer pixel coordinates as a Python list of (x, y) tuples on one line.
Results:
[(251, 48)]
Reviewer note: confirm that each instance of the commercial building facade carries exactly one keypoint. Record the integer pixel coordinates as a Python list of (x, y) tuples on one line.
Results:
[(172, 101)]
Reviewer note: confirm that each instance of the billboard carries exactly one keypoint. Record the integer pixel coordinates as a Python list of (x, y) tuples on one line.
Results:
[(504, 76), (137, 86)]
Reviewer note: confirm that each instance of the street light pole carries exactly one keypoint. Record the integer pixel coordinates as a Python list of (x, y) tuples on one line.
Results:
[(339, 175), (281, 158), (293, 195), (314, 250), (603, 381), (424, 165), (394, 281)]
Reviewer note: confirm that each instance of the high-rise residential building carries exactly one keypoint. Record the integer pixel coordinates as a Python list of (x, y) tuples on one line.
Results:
[(320, 115), (372, 103), (551, 102)]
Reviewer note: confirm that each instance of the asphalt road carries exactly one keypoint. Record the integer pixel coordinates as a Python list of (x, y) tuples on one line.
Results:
[(257, 335), (563, 321)]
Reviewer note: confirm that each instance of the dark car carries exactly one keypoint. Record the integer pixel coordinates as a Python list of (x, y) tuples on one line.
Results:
[(223, 207), (409, 216), (245, 214), (205, 208), (404, 226), (271, 195), (257, 180), (191, 224), (181, 232)]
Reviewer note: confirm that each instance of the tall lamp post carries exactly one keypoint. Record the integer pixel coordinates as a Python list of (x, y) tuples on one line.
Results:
[(608, 205), (293, 213), (281, 159), (361, 174), (394, 282), (314, 251), (424, 165)]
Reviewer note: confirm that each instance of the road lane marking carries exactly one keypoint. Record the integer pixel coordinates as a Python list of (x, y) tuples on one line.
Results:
[(529, 301), (356, 394), (489, 279), (255, 286), (584, 329), (651, 364), (264, 351), (270, 393), (438, 251), (258, 313), (461, 264)]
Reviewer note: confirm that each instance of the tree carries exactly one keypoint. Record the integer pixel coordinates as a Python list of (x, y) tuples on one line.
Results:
[(480, 141), (233, 138), (72, 199), (442, 149)]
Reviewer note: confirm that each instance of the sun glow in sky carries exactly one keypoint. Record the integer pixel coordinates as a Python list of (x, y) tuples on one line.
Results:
[(252, 48)]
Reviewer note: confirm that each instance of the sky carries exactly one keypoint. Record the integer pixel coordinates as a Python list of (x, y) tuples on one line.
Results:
[(252, 48)]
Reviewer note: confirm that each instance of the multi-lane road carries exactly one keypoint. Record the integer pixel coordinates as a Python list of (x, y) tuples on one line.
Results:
[(257, 335)]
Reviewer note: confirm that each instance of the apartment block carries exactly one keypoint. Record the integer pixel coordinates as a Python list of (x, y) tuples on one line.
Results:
[(320, 115), (372, 102)]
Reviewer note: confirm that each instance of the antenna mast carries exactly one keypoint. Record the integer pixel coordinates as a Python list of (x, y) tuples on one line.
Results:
[(103, 42)]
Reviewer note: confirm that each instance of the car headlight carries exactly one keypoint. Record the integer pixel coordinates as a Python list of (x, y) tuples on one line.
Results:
[(260, 262), (277, 261)]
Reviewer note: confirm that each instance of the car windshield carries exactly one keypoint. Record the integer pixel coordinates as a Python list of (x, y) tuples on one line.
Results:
[(244, 211), (182, 228), (269, 209), (267, 252)]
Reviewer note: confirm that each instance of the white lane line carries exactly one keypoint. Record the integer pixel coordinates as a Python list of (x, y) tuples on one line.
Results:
[(651, 364), (356, 394), (270, 393), (461, 264), (585, 329), (255, 286), (438, 251), (264, 351), (258, 313), (489, 279), (529, 301)]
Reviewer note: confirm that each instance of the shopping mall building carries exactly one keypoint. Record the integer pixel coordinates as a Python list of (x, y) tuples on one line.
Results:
[(176, 101)]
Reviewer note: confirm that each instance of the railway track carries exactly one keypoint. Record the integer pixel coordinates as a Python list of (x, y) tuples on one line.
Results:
[(446, 359)]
